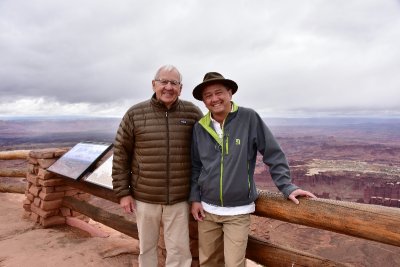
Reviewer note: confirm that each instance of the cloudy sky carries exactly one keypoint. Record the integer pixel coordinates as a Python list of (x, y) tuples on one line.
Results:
[(289, 57)]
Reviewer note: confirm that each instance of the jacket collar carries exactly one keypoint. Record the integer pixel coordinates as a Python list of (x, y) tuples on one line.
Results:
[(206, 119), (206, 122)]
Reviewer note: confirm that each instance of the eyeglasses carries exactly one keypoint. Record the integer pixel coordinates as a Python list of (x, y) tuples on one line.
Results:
[(165, 82)]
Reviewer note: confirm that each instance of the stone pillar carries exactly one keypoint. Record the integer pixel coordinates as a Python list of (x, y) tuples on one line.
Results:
[(45, 190)]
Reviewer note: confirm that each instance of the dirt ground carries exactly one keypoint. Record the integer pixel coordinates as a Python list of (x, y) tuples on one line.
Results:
[(23, 243)]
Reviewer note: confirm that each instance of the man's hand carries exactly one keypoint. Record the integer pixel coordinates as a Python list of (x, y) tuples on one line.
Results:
[(197, 211), (128, 204), (302, 193)]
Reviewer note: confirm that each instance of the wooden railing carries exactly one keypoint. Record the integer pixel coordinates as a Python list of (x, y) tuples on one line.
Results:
[(14, 154), (370, 222), (15, 176)]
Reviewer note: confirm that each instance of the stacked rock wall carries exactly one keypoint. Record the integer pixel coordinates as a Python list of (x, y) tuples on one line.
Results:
[(44, 196), (45, 190)]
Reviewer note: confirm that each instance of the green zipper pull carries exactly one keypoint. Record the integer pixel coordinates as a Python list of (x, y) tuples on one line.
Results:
[(227, 144)]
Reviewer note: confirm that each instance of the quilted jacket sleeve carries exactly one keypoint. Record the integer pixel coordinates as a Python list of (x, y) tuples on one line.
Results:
[(123, 151)]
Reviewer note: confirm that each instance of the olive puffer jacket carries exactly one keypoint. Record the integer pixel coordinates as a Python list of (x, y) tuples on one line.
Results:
[(152, 152)]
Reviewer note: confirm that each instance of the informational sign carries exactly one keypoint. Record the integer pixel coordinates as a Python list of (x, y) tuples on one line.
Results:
[(79, 160), (102, 175)]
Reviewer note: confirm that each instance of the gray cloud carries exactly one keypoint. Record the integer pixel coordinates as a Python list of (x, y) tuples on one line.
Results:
[(288, 57)]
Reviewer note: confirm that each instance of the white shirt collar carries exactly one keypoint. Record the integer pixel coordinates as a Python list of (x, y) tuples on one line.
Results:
[(217, 125)]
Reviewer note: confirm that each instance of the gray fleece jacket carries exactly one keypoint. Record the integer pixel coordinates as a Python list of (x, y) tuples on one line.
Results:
[(223, 168)]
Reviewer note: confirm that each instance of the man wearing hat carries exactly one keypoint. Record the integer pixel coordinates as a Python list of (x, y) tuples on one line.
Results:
[(224, 150)]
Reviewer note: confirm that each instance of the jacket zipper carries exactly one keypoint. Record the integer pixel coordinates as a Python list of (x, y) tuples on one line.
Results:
[(166, 118), (225, 150), (221, 198), (248, 178)]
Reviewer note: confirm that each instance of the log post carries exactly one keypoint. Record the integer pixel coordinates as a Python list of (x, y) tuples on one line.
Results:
[(13, 172), (12, 185), (371, 222), (14, 154), (120, 223), (270, 254)]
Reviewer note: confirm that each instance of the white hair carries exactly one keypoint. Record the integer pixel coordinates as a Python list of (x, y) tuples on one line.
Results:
[(168, 68)]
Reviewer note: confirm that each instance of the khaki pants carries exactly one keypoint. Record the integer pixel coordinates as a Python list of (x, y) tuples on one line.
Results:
[(175, 220), (223, 240)]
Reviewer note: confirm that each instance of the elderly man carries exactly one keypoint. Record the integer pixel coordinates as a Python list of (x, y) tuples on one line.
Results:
[(152, 167), (223, 191)]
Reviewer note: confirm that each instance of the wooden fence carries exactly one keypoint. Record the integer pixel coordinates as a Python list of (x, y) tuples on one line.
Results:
[(13, 179), (371, 222)]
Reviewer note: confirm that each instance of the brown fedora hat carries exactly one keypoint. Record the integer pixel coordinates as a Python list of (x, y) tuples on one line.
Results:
[(210, 78)]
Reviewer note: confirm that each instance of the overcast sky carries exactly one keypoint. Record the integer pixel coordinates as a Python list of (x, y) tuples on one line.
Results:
[(289, 58)]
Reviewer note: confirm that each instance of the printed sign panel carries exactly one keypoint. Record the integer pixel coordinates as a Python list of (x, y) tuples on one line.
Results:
[(79, 160), (102, 175)]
